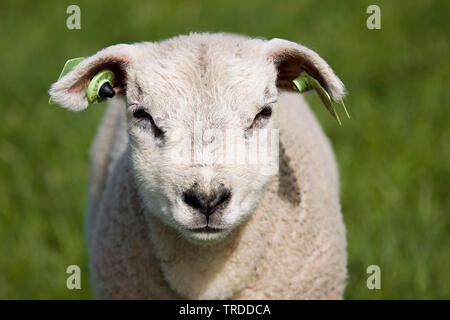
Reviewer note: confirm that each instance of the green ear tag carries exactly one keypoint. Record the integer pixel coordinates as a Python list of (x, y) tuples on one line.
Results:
[(93, 90), (68, 66), (304, 82)]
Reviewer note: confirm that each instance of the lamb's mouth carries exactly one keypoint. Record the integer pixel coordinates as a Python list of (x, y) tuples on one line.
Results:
[(206, 234), (206, 229)]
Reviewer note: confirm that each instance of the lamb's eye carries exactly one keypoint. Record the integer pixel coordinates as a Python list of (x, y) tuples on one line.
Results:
[(143, 116), (261, 118)]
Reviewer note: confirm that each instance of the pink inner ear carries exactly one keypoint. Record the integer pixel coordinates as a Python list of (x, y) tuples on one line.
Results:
[(290, 63), (115, 64), (288, 70)]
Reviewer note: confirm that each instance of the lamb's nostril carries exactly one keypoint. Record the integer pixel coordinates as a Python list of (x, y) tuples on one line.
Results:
[(195, 199), (207, 204)]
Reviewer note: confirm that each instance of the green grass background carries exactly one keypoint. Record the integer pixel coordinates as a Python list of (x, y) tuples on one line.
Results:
[(393, 154)]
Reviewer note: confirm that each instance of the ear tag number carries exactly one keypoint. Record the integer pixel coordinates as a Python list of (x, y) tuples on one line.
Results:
[(304, 82), (100, 87)]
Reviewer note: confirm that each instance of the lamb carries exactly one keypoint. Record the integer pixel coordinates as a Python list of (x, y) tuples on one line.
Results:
[(167, 219)]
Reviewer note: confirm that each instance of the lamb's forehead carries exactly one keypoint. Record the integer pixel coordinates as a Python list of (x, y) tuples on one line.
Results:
[(219, 72)]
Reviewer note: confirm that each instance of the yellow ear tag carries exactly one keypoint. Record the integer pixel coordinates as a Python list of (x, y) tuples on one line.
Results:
[(304, 82), (101, 87)]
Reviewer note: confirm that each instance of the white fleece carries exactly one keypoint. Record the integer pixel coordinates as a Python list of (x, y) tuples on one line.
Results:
[(284, 236)]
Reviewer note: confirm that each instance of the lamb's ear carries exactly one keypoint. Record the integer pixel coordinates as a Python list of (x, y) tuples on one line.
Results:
[(70, 90), (291, 59)]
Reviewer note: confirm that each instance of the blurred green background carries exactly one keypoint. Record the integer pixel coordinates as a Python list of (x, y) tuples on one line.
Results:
[(393, 154)]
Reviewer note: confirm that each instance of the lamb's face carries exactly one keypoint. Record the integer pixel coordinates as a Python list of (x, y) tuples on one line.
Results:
[(203, 137), (201, 113)]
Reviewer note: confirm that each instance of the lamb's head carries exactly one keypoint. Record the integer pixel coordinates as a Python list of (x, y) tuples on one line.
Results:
[(201, 113)]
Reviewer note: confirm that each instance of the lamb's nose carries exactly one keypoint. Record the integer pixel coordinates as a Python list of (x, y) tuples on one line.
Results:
[(207, 204)]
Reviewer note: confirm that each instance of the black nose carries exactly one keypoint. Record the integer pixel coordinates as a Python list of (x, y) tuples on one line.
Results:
[(207, 204)]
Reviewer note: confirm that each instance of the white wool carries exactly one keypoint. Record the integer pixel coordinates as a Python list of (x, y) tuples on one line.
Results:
[(283, 235)]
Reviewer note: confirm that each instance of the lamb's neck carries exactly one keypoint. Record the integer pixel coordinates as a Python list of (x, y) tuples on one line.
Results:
[(215, 271)]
